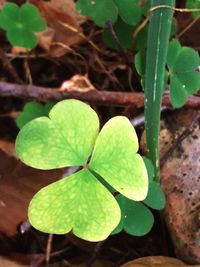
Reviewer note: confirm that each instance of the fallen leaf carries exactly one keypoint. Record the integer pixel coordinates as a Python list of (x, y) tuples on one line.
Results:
[(63, 26), (16, 50), (155, 261), (18, 185), (78, 83), (180, 179), (2, 2), (4, 262), (8, 147)]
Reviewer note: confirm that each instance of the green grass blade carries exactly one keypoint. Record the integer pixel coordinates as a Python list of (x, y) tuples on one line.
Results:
[(157, 45)]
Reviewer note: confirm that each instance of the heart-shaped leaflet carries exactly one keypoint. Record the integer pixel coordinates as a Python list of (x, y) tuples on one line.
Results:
[(64, 139), (67, 138), (115, 158), (79, 202)]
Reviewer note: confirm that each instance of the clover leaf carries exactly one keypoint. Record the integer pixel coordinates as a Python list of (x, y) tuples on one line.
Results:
[(194, 4), (136, 219), (140, 64), (155, 198), (20, 23), (124, 33), (130, 216), (31, 111), (183, 63), (115, 158), (64, 139), (80, 202), (101, 11), (129, 11), (150, 168)]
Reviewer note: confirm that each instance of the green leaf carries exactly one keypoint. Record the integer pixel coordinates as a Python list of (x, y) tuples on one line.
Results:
[(194, 4), (101, 11), (119, 227), (191, 81), (140, 63), (155, 198), (21, 38), (129, 11), (141, 39), (78, 203), (157, 46), (31, 19), (150, 168), (103, 182), (124, 33), (64, 139), (137, 219), (8, 16), (174, 27), (187, 60), (173, 52), (31, 111), (115, 158), (178, 94), (145, 8), (184, 77), (21, 23), (47, 107)]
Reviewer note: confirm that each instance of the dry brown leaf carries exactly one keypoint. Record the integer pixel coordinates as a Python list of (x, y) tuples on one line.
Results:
[(2, 2), (8, 147), (4, 262), (79, 83), (18, 185), (16, 50), (180, 179), (155, 261), (63, 26), (68, 7)]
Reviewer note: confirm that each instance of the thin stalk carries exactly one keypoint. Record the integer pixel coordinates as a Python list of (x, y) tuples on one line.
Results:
[(157, 45)]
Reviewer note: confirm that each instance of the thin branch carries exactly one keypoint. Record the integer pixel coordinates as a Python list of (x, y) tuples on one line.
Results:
[(187, 27), (42, 94), (8, 68)]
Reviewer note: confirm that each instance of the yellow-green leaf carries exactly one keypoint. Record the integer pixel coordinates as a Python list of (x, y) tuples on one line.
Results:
[(79, 203), (64, 139), (115, 158)]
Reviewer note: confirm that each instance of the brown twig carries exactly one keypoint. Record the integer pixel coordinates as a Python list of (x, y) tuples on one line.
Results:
[(187, 27), (180, 138), (8, 68), (98, 97)]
